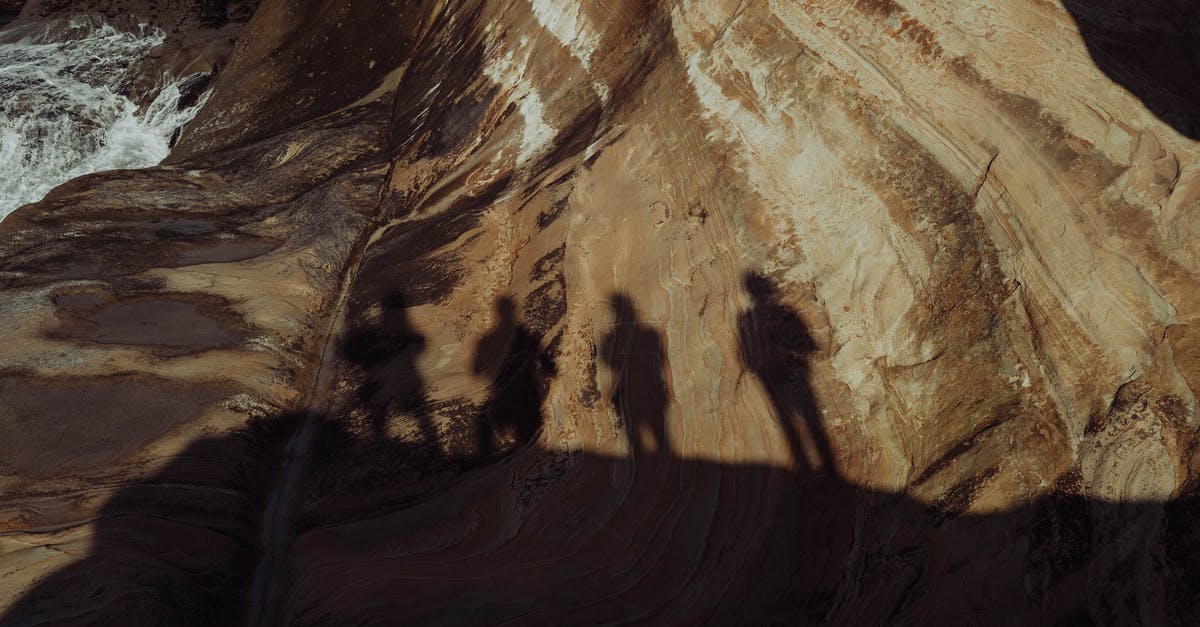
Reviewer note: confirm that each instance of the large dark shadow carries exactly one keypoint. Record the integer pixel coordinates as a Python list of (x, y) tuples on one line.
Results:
[(635, 354), (775, 345), (557, 537), (1152, 49), (178, 548)]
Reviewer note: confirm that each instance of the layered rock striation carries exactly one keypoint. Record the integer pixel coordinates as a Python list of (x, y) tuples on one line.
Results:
[(471, 312)]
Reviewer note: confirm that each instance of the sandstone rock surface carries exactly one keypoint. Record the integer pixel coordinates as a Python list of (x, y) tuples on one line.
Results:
[(485, 311)]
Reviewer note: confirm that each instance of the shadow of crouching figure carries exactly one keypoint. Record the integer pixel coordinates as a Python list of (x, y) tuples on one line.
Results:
[(177, 548), (511, 416), (775, 345), (636, 355)]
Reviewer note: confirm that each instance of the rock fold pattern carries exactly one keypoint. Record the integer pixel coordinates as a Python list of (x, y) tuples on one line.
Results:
[(637, 311)]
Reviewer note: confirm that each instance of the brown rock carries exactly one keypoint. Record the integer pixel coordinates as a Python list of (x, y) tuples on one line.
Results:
[(669, 312)]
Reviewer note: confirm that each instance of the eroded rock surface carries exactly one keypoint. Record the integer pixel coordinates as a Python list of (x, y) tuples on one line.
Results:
[(858, 312)]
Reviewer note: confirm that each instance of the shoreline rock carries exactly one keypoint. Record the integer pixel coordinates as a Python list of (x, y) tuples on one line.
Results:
[(672, 312)]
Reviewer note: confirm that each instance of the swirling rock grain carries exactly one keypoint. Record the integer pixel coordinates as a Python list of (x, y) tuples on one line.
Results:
[(857, 312)]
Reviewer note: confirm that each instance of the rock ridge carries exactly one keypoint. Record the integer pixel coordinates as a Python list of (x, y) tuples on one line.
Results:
[(485, 311)]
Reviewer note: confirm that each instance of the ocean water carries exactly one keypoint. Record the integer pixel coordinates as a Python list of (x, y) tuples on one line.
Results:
[(64, 111)]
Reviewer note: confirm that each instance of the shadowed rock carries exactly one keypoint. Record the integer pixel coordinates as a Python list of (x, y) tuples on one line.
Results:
[(696, 541), (1152, 49), (999, 268)]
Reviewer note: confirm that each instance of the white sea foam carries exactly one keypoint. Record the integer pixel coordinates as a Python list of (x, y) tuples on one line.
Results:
[(64, 108)]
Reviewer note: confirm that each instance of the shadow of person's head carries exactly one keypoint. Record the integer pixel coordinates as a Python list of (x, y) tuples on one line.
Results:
[(506, 309), (624, 311), (760, 288)]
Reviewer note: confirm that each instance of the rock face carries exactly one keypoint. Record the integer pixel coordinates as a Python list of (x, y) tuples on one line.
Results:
[(483, 311)]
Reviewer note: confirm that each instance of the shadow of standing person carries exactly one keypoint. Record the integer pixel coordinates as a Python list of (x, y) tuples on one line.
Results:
[(388, 354), (512, 414), (775, 345), (635, 354)]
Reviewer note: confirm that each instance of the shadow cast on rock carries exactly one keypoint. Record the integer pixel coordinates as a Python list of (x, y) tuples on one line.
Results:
[(555, 538), (382, 533), (1152, 49)]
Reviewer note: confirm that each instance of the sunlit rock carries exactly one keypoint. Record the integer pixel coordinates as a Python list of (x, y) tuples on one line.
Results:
[(703, 311)]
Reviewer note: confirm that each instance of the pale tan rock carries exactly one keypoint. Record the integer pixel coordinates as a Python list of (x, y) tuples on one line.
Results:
[(860, 312)]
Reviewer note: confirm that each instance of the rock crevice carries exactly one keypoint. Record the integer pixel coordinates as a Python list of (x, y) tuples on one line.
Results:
[(669, 312)]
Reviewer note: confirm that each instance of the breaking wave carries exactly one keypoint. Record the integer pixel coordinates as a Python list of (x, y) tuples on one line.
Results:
[(66, 110)]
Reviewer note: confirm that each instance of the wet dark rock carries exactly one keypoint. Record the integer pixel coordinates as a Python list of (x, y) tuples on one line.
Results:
[(646, 312)]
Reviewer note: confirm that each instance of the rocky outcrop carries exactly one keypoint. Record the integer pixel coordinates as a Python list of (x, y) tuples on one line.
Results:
[(467, 312)]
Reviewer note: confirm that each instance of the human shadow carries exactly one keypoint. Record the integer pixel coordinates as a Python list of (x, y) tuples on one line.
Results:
[(775, 345), (774, 548), (511, 416), (635, 354), (387, 352), (1152, 49), (585, 537)]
